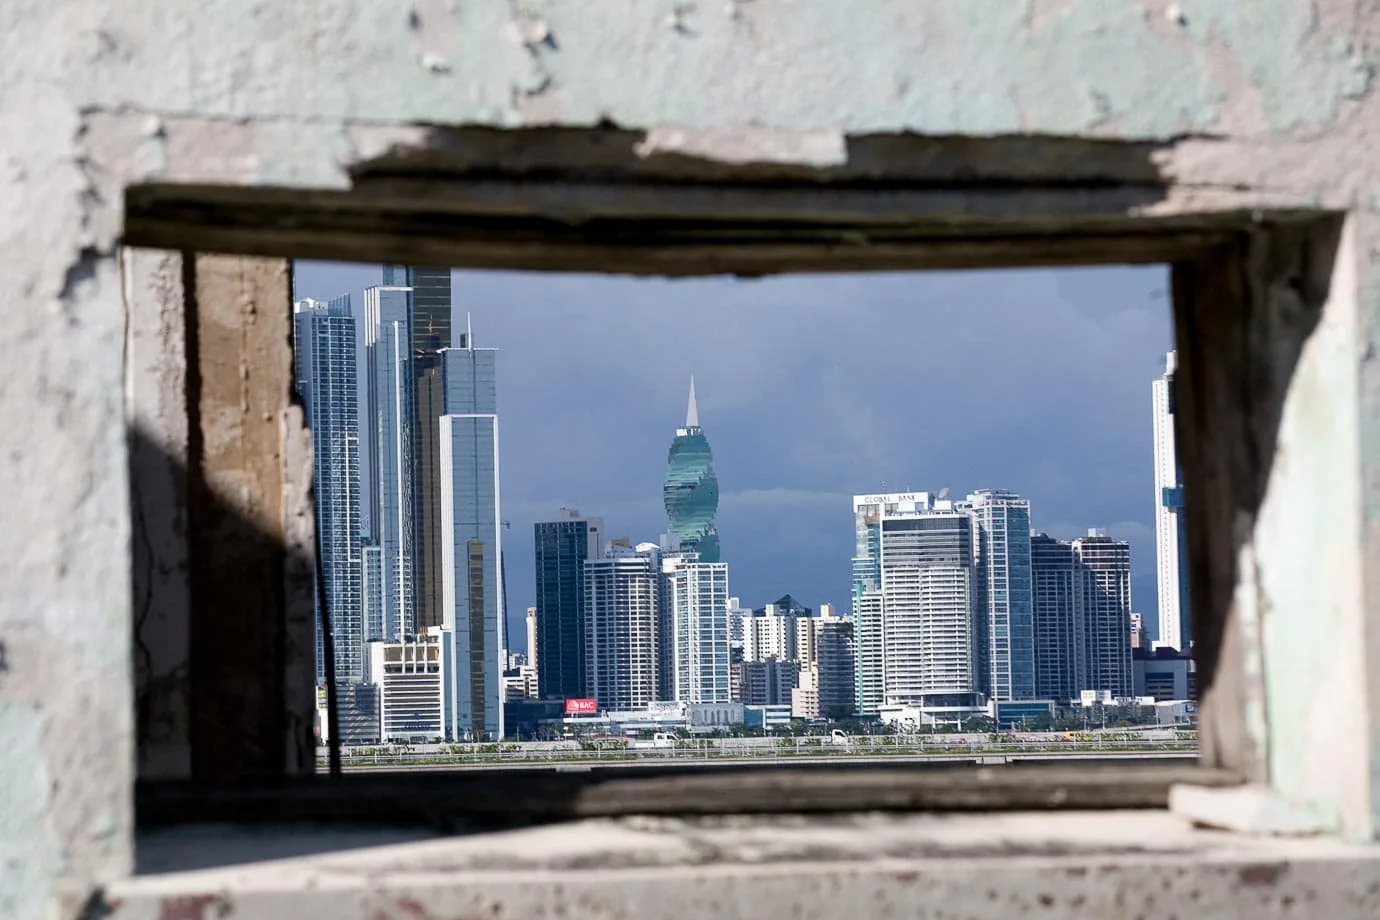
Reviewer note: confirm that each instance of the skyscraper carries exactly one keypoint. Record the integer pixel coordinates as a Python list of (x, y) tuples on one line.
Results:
[(622, 595), (915, 594), (1106, 565), (699, 605), (561, 547), (868, 674), (1171, 547), (1057, 595), (1082, 594), (1003, 553), (472, 536), (429, 316), (387, 343), (691, 493), (327, 380)]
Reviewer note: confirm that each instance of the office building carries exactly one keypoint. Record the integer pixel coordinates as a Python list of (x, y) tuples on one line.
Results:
[(1007, 649), (562, 546), (1171, 546), (371, 574), (833, 661), (1106, 565), (327, 379), (429, 323), (691, 493), (915, 602), (390, 413), (622, 591), (415, 687), (768, 683), (1165, 674), (699, 610), (1082, 594), (1057, 596), (472, 535)]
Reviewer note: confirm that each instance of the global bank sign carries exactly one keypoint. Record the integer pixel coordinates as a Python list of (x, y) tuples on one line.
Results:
[(581, 705)]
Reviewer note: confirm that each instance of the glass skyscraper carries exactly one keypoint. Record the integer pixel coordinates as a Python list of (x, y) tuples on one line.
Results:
[(1004, 592), (1057, 604), (429, 319), (691, 493), (327, 379), (472, 537), (561, 548), (388, 352)]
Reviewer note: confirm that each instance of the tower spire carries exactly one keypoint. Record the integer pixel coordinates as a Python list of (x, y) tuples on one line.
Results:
[(692, 412)]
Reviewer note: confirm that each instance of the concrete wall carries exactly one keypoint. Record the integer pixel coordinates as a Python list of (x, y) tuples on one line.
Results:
[(1266, 103)]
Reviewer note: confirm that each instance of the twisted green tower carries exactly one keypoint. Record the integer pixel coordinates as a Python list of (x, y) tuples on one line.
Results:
[(692, 490)]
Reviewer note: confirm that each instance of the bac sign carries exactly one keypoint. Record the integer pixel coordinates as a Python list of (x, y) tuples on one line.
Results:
[(584, 704)]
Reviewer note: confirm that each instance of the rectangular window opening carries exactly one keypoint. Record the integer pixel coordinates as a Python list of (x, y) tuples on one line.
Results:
[(1013, 591)]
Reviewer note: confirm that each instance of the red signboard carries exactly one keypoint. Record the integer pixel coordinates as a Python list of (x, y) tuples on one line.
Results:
[(584, 704)]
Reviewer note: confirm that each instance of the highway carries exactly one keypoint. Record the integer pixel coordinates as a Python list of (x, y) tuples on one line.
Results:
[(654, 760)]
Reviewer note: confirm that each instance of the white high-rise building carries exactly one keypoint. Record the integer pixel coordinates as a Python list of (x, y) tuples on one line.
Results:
[(388, 492), (915, 602), (1171, 555), (769, 633), (622, 592), (699, 615)]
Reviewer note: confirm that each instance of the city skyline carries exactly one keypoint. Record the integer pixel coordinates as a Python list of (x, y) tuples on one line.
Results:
[(781, 537)]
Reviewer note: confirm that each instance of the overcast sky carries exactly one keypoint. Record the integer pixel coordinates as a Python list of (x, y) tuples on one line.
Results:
[(812, 388)]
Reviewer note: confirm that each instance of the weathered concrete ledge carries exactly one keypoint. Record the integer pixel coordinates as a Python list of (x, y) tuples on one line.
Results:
[(1074, 864)]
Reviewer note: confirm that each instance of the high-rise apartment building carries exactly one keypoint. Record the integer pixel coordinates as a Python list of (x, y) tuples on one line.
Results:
[(1004, 596), (561, 547), (429, 319), (327, 380), (1057, 594), (699, 609), (691, 493), (472, 536), (371, 565), (915, 602), (388, 358), (1171, 547), (1082, 593), (824, 648), (869, 666), (1106, 564), (769, 633), (622, 591), (532, 637)]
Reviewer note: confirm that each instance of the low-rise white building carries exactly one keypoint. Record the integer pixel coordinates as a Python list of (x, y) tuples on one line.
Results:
[(414, 678)]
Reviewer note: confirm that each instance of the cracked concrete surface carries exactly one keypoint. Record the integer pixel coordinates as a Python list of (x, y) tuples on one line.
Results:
[(1267, 104)]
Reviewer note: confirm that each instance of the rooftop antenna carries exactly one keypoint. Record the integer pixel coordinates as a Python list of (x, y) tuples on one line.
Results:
[(943, 492), (469, 331), (692, 411)]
